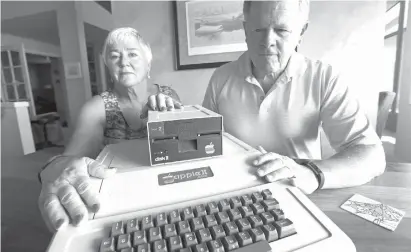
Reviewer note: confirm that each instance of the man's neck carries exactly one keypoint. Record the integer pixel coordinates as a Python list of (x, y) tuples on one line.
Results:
[(265, 79)]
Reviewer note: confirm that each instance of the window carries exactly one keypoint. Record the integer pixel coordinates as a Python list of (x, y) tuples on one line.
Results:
[(13, 86), (397, 12)]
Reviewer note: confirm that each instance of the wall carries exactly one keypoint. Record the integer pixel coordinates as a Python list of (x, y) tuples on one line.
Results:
[(347, 34), (16, 134), (403, 134)]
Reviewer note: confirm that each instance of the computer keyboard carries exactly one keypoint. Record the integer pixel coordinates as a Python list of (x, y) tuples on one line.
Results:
[(216, 226), (268, 217)]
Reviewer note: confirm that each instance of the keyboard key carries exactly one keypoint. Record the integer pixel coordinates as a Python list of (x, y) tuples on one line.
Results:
[(183, 227), (234, 214), (200, 210), (201, 248), (139, 237), (278, 214), (210, 220), (246, 200), (107, 245), (222, 217), (244, 238), (223, 205), (117, 228), (161, 219), (154, 234), (230, 243), (270, 204), (257, 208), (267, 194), (127, 250), (243, 224), (147, 222), (187, 213), (235, 202), (144, 248), (246, 211), (217, 232), (123, 241), (174, 217), (204, 235), (189, 239), (255, 221), (175, 243), (261, 246), (270, 232), (212, 208), (230, 228), (216, 246), (169, 230), (196, 224), (132, 226), (257, 234), (257, 197), (160, 246), (284, 228), (185, 250), (267, 218)]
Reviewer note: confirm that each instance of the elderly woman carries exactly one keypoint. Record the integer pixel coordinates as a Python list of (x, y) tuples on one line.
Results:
[(114, 116)]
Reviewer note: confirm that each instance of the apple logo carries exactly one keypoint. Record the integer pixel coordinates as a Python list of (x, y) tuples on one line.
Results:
[(168, 179), (209, 148)]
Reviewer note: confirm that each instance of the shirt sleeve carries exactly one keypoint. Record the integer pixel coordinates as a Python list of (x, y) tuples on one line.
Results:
[(210, 97), (343, 121)]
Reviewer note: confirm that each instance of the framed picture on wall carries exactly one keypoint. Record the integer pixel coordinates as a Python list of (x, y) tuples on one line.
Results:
[(208, 33), (72, 70)]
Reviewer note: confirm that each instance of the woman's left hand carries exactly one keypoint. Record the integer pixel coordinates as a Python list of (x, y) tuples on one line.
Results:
[(273, 167)]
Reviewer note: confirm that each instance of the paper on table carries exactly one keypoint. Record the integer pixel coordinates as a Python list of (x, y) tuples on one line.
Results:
[(374, 211)]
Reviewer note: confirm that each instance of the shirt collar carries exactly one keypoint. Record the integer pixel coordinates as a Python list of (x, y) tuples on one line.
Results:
[(294, 68)]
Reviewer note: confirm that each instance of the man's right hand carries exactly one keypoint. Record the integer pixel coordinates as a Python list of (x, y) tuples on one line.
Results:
[(67, 194)]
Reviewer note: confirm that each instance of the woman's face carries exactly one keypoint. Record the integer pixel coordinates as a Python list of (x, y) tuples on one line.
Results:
[(126, 62)]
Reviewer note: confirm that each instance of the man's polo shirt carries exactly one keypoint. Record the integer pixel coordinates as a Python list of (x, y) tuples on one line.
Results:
[(287, 119)]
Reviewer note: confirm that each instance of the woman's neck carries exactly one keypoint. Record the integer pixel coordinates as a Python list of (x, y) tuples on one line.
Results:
[(137, 92)]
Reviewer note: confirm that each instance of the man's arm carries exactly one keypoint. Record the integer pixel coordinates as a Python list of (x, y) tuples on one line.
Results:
[(360, 156), (87, 139)]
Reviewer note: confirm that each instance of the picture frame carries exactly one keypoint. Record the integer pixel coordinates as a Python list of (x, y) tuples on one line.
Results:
[(208, 34), (72, 70)]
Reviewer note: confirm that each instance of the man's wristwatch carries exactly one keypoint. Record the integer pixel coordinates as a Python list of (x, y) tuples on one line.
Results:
[(314, 168)]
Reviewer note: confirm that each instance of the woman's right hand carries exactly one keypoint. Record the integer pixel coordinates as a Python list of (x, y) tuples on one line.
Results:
[(67, 194)]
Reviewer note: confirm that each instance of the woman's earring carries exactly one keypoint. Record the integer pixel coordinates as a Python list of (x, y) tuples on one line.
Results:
[(148, 74)]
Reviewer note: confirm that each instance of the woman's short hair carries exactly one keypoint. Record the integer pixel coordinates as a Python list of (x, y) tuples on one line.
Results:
[(120, 34)]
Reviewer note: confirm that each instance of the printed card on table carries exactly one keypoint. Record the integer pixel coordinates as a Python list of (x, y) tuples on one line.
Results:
[(374, 211)]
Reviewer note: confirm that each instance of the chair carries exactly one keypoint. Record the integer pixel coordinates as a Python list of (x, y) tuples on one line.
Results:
[(385, 101)]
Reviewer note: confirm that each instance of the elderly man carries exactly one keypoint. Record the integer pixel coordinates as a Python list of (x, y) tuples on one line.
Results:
[(277, 99)]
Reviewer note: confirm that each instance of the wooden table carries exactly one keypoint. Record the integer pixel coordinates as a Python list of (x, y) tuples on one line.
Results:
[(392, 188)]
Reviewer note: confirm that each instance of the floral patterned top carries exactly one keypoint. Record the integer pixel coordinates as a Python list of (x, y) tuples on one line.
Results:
[(117, 128)]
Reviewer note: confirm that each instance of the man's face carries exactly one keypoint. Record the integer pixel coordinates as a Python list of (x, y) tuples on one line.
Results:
[(273, 30)]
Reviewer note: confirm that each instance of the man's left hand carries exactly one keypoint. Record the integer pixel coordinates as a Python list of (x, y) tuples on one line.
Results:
[(274, 167)]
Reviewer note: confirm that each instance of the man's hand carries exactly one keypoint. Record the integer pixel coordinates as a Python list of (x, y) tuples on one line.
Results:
[(275, 167), (66, 193)]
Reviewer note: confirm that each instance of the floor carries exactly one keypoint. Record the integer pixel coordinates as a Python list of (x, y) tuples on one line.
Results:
[(22, 228)]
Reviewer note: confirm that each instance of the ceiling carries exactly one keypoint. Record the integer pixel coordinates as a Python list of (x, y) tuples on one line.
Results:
[(40, 26), (43, 27)]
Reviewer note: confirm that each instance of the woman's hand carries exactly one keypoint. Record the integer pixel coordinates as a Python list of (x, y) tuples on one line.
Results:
[(160, 102), (66, 193), (275, 167)]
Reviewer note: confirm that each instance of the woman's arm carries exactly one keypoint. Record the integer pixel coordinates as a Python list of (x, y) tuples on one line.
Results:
[(88, 135)]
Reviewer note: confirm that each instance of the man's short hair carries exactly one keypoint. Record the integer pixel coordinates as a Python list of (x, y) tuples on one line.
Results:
[(303, 4)]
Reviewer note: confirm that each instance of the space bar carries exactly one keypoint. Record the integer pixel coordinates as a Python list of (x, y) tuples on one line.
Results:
[(261, 246)]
